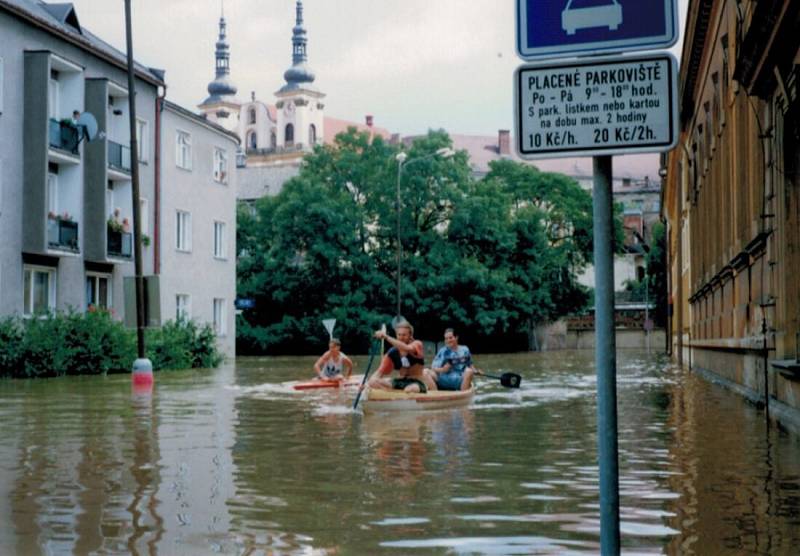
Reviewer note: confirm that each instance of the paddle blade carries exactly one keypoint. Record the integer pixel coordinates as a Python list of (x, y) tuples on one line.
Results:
[(510, 380), (329, 324)]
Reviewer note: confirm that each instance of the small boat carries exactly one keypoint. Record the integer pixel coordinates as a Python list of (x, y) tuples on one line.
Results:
[(354, 380), (397, 400)]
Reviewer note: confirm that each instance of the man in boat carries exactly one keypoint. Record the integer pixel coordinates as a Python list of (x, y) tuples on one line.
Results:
[(452, 366), (333, 364), (407, 356)]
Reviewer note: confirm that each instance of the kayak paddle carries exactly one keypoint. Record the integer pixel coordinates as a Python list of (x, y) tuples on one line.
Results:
[(366, 374), (509, 380)]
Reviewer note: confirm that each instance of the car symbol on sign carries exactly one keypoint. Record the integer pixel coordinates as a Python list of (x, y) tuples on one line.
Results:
[(605, 15)]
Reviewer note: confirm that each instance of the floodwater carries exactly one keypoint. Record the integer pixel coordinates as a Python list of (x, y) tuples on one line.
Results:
[(233, 462)]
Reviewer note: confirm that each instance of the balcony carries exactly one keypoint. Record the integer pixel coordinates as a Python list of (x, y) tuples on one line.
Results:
[(64, 136), (120, 244), (62, 234), (119, 157)]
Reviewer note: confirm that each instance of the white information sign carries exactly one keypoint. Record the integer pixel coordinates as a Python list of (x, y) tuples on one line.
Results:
[(602, 106)]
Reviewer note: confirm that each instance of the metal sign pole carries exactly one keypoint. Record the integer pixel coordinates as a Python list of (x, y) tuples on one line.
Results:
[(605, 356)]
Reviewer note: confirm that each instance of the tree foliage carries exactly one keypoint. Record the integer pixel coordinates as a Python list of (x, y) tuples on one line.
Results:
[(489, 257)]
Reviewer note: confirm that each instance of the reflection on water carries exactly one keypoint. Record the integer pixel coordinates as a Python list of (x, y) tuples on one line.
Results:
[(234, 461)]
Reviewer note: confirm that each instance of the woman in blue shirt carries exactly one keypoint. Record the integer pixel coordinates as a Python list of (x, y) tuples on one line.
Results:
[(453, 364)]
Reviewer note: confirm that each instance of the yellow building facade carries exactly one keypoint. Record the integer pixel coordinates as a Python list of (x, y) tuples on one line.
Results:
[(732, 200)]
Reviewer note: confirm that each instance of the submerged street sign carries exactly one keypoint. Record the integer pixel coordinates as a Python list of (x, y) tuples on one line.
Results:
[(560, 28), (606, 106)]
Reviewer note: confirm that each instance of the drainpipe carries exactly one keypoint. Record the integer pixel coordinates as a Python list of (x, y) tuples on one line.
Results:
[(157, 194)]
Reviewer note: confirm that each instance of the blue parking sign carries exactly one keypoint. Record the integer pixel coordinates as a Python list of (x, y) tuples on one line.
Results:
[(570, 28)]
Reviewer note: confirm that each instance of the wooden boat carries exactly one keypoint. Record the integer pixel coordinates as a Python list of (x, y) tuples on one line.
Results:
[(397, 400), (354, 380)]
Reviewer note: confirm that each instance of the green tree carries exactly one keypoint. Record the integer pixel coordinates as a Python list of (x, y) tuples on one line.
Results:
[(492, 255)]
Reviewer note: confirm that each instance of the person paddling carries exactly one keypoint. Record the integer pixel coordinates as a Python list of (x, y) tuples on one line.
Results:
[(453, 364), (333, 364), (407, 356)]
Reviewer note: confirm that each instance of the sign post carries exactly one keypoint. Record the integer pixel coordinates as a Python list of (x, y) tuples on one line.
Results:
[(598, 107), (605, 355)]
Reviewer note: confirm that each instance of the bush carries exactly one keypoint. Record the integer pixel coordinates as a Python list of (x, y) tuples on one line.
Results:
[(93, 343), (11, 335)]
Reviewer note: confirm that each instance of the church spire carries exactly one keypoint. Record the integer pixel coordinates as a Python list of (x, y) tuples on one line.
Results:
[(222, 85), (299, 76)]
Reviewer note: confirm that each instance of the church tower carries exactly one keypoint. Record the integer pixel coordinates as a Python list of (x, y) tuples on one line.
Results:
[(221, 106), (299, 106)]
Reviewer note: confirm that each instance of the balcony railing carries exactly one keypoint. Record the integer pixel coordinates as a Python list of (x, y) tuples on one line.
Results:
[(119, 157), (63, 234), (64, 136), (120, 244)]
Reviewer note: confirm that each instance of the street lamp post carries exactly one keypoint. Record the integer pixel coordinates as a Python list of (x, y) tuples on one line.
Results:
[(402, 161)]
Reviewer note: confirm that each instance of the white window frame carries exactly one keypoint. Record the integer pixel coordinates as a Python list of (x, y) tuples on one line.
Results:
[(220, 236), (183, 232), (183, 150), (142, 138), (220, 166), (52, 193), (96, 277), (27, 304), (183, 309), (53, 101), (219, 317), (144, 215), (2, 83)]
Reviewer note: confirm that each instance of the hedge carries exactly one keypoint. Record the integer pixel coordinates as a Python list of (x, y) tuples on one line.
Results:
[(92, 343)]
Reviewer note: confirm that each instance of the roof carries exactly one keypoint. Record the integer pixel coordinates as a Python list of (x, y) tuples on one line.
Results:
[(61, 20), (334, 127), (180, 110), (483, 149)]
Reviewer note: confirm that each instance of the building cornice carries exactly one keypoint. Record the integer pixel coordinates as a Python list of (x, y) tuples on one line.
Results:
[(695, 36), (188, 114)]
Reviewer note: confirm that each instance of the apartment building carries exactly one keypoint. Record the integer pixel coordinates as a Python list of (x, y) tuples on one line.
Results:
[(66, 206), (63, 195), (197, 260)]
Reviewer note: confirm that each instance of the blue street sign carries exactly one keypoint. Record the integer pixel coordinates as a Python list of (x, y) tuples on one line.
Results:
[(569, 28), (245, 304)]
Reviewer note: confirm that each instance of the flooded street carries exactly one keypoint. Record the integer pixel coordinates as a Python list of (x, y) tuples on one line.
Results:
[(234, 462)]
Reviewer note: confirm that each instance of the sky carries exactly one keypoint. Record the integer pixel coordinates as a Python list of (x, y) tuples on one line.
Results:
[(412, 64)]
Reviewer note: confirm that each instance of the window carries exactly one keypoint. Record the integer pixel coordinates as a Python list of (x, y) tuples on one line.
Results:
[(183, 307), (183, 231), (273, 139), (98, 291), (220, 166), (253, 140), (52, 99), (219, 240), (289, 136), (144, 215), (183, 154), (39, 290), (219, 317), (141, 137), (1, 85), (312, 135), (52, 195), (252, 115)]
